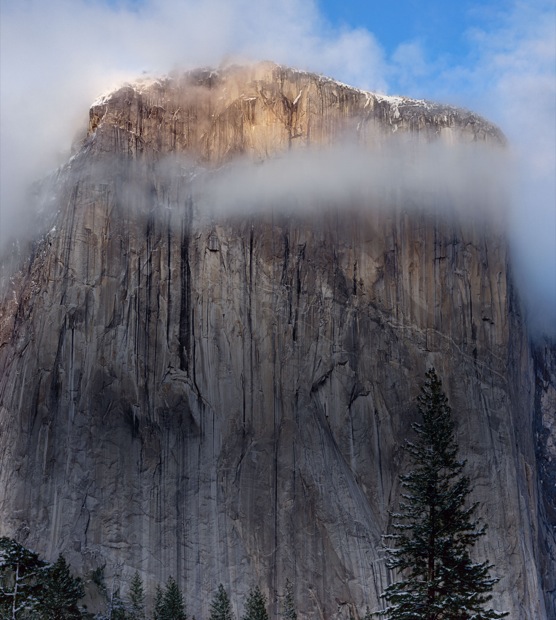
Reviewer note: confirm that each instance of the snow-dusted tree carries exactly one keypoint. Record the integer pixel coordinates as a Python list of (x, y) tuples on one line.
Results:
[(435, 527), (289, 611), (158, 603), (221, 608), (117, 609), (255, 606), (136, 598), (173, 607), (21, 574), (60, 593)]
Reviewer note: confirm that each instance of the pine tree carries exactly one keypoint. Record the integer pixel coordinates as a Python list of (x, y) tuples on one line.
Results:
[(435, 528), (255, 607), (60, 593), (173, 607), (158, 603), (21, 574), (288, 609), (221, 608), (136, 598)]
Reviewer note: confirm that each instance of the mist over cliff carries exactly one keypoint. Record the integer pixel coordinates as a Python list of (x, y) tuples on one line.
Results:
[(209, 361), (57, 56)]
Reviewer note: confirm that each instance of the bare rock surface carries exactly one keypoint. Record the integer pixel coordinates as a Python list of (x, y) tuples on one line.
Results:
[(223, 399)]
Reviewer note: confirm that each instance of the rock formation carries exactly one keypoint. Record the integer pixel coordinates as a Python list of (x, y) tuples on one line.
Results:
[(222, 397)]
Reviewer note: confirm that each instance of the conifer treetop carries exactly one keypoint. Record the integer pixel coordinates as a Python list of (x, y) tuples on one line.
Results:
[(136, 598), (255, 606), (435, 527), (173, 606), (221, 608)]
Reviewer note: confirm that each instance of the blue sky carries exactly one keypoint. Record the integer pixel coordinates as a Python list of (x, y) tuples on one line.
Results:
[(440, 26), (497, 57)]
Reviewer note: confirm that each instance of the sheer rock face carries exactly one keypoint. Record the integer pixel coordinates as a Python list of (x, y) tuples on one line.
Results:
[(224, 399)]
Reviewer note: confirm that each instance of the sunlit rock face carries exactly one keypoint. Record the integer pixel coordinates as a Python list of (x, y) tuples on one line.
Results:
[(222, 396)]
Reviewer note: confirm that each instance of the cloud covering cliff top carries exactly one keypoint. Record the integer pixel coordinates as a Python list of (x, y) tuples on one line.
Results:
[(56, 57)]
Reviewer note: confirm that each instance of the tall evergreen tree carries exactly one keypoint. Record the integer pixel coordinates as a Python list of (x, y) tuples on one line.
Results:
[(136, 598), (255, 606), (60, 593), (435, 527), (173, 607), (289, 611), (221, 608)]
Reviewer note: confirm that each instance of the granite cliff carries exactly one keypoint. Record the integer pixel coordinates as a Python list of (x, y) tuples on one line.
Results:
[(222, 397)]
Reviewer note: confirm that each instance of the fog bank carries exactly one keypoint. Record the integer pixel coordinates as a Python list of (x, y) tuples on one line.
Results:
[(470, 181)]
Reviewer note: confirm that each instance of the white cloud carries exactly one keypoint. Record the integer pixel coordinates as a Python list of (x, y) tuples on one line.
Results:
[(403, 172), (57, 56)]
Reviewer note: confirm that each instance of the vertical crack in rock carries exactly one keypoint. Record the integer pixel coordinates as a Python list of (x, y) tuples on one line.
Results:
[(185, 287)]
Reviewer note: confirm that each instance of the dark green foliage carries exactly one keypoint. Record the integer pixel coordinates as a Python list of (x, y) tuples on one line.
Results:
[(221, 608), (255, 606), (60, 593), (288, 608), (29, 588), (136, 598), (172, 607), (435, 528), (158, 604), (21, 575)]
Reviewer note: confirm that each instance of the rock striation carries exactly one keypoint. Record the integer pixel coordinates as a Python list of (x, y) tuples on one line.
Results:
[(222, 397)]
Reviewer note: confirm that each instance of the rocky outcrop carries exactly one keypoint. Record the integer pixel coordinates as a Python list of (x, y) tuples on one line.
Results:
[(223, 399)]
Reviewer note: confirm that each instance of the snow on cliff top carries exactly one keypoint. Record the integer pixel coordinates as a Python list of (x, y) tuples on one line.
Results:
[(143, 83), (140, 85)]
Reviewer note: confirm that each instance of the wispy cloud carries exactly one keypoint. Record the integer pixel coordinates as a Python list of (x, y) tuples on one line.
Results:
[(57, 56), (464, 181)]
